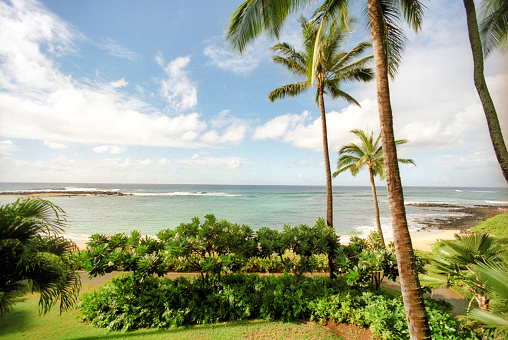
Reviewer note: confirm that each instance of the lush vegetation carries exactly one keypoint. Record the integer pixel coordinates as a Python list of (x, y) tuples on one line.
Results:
[(24, 322), (34, 257), (223, 253), (475, 265), (496, 226), (217, 247), (172, 303)]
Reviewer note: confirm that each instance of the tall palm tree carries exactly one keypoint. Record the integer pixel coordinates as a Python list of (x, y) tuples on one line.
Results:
[(256, 16), (34, 257), (494, 32), (334, 67), (368, 154)]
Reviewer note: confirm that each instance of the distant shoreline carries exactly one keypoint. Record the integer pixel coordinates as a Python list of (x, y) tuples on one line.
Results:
[(62, 193)]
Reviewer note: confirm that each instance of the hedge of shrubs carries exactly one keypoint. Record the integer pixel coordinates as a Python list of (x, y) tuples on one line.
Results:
[(217, 247), (173, 303), (223, 253)]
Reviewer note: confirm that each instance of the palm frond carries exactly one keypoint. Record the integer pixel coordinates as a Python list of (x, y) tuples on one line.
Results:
[(490, 319), (32, 253), (413, 13), (254, 17), (290, 90), (493, 24), (287, 56), (334, 92), (393, 35)]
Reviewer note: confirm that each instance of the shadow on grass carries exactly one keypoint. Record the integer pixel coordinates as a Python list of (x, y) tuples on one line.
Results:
[(17, 320), (211, 330)]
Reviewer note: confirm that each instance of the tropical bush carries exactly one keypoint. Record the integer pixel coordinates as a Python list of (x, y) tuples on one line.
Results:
[(496, 225), (385, 316), (34, 257), (212, 248), (143, 256), (170, 303), (364, 262)]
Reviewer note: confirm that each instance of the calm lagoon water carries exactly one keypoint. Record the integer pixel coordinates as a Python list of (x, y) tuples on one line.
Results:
[(150, 208)]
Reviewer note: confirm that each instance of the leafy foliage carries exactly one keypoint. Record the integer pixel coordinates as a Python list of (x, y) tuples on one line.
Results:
[(495, 225), (33, 255), (365, 262), (385, 315), (212, 248), (171, 303)]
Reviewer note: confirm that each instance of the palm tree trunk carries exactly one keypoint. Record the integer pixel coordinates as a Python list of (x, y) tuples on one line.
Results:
[(329, 200), (496, 134), (412, 294), (374, 195)]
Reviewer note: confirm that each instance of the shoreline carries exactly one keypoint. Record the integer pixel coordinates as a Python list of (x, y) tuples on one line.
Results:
[(61, 193)]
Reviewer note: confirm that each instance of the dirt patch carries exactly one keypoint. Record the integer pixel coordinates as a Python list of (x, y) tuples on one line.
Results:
[(348, 332)]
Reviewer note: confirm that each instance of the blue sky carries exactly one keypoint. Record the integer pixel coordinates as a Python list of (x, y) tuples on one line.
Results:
[(149, 92)]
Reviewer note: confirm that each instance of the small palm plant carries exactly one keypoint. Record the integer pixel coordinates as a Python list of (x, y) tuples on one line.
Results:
[(495, 279), (455, 263), (367, 154), (34, 257)]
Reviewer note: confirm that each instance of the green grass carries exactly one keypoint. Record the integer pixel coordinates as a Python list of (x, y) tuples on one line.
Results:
[(24, 322), (497, 226)]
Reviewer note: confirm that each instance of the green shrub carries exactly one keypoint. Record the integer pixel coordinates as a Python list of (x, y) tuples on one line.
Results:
[(497, 226), (167, 303), (385, 315)]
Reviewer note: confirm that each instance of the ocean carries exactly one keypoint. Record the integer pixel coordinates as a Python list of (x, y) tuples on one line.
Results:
[(151, 208)]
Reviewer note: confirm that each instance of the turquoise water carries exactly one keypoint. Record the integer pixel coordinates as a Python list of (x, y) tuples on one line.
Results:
[(151, 208)]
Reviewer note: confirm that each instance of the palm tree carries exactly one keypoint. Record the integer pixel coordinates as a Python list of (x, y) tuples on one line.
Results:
[(368, 154), (494, 32), (34, 257), (333, 68), (253, 17), (495, 278)]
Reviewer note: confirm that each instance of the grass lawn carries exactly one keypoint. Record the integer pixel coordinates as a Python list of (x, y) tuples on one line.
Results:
[(24, 322)]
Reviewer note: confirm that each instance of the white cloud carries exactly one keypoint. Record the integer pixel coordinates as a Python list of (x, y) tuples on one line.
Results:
[(177, 89), (234, 134), (38, 101), (278, 126), (53, 145), (230, 163), (300, 132), (114, 49), (119, 83), (232, 61), (6, 147), (112, 149)]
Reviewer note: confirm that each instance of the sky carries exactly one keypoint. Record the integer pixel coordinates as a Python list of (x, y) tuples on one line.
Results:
[(126, 91)]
